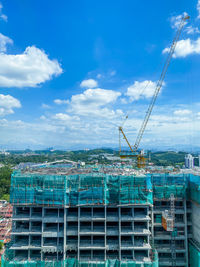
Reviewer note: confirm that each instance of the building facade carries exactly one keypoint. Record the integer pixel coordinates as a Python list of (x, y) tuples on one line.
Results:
[(100, 218), (189, 161)]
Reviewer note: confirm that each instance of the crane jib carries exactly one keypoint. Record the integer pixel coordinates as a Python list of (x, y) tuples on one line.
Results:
[(155, 95), (159, 83)]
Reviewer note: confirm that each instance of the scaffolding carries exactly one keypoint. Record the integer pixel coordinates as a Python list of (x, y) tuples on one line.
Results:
[(100, 194), (194, 188), (165, 184), (99, 188), (82, 189)]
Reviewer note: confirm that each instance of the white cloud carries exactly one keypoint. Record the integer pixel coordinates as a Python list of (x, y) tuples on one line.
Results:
[(3, 16), (64, 117), (43, 117), (123, 101), (198, 9), (93, 102), (45, 106), (60, 101), (192, 30), (90, 83), (99, 76), (182, 112), (164, 128), (185, 47), (176, 20), (7, 104), (4, 41), (28, 69), (141, 90)]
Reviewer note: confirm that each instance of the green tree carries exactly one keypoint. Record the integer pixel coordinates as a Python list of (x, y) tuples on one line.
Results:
[(1, 245), (5, 174)]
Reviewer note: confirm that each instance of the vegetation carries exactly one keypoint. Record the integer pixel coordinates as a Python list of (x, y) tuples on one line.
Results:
[(48, 156), (168, 158), (5, 173)]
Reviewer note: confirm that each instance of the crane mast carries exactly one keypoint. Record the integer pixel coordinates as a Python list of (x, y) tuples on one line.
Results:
[(134, 150)]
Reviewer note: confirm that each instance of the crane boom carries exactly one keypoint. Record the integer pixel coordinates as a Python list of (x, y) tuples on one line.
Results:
[(159, 83), (121, 130)]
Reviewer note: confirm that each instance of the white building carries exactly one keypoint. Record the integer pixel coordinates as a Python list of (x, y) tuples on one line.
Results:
[(189, 161)]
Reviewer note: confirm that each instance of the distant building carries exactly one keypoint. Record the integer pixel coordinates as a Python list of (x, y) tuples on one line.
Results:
[(4, 153), (189, 161)]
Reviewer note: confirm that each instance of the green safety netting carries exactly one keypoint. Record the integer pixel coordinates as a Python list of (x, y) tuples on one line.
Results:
[(76, 263), (194, 188), (165, 184), (83, 189), (8, 260), (194, 256), (100, 189), (158, 218)]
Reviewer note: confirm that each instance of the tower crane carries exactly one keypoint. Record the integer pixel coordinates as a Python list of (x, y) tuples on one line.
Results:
[(135, 153)]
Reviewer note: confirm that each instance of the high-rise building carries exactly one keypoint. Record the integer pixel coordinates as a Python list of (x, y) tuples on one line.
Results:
[(105, 217), (189, 161)]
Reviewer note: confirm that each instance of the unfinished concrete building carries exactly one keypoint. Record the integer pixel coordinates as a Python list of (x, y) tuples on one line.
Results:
[(75, 217)]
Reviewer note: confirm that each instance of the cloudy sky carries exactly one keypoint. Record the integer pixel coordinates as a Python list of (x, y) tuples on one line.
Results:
[(71, 72)]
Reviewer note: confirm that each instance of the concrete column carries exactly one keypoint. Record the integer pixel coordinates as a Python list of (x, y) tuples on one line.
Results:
[(65, 233), (42, 242), (58, 229), (29, 236), (151, 236), (105, 231), (78, 233), (152, 223), (186, 235), (119, 216), (132, 223)]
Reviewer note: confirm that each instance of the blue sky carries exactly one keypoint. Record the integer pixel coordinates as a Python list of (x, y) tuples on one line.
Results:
[(70, 72)]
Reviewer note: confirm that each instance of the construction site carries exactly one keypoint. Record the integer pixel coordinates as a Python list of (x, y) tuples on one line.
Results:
[(104, 216), (65, 215)]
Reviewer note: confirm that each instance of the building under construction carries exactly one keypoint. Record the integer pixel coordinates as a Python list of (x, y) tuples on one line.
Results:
[(107, 216)]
